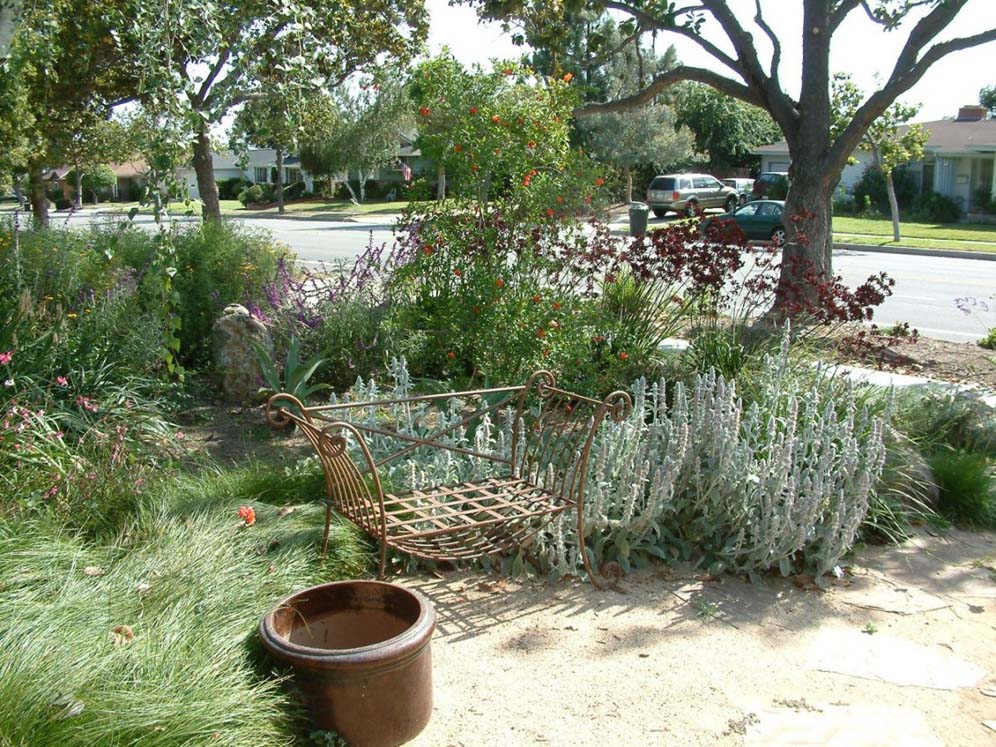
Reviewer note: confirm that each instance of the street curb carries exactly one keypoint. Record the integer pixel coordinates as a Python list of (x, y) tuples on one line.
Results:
[(954, 253)]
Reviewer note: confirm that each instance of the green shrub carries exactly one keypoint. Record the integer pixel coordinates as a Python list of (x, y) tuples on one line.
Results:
[(230, 189), (966, 485), (989, 341), (936, 208), (871, 187), (251, 196), (294, 191), (940, 419)]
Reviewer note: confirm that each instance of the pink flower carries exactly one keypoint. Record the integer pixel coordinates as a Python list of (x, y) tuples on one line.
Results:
[(62, 381), (5, 357)]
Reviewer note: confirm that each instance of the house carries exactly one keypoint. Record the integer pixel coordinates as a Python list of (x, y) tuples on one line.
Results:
[(259, 167), (959, 157)]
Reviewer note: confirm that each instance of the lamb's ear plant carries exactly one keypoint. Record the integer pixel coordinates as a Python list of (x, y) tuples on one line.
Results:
[(295, 376)]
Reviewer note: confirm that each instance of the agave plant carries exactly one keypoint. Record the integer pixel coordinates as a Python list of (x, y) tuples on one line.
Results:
[(295, 376)]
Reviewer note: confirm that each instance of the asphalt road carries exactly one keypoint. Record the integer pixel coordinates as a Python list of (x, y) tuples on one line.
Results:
[(925, 292)]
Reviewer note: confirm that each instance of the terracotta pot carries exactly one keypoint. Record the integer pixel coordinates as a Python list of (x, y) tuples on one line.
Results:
[(360, 656)]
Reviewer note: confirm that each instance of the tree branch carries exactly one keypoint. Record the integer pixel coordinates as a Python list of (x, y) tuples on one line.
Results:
[(776, 54), (841, 12), (651, 22), (202, 94), (669, 78)]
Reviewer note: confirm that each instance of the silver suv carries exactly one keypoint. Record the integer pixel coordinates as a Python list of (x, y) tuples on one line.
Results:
[(689, 194)]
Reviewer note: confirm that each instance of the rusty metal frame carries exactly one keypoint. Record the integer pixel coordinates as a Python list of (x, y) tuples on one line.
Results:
[(550, 444)]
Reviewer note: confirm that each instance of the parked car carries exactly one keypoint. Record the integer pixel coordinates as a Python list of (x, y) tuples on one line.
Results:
[(744, 187), (689, 194), (771, 185), (758, 219)]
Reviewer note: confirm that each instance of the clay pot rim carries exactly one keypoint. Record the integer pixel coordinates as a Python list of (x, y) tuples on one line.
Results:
[(410, 641)]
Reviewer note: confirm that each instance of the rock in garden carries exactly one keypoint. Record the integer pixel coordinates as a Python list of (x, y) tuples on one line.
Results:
[(235, 357)]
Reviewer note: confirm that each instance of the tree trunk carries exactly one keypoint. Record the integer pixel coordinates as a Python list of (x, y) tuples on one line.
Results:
[(280, 180), (808, 222), (361, 175), (204, 169), (349, 188), (890, 190), (629, 184), (440, 182), (78, 202), (39, 202)]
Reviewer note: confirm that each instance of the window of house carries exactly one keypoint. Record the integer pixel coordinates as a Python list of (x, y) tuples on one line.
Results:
[(260, 175), (292, 176)]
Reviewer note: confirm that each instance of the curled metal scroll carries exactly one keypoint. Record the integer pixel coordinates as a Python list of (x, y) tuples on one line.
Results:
[(280, 408), (543, 380), (619, 405), (334, 442)]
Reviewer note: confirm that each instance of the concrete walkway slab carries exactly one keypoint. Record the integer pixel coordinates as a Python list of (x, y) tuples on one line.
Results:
[(850, 726), (889, 659)]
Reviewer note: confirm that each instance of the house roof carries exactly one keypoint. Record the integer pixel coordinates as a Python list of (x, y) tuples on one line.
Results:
[(945, 136), (130, 169)]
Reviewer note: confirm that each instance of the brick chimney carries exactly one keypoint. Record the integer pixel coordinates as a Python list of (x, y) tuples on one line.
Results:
[(971, 113)]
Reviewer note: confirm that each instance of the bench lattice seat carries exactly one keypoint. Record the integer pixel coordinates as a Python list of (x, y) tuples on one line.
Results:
[(552, 433)]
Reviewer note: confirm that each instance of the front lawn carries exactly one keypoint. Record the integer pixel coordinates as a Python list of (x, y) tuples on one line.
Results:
[(974, 237), (315, 207)]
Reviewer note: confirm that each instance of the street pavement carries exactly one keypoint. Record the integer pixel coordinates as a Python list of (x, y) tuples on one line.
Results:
[(924, 296)]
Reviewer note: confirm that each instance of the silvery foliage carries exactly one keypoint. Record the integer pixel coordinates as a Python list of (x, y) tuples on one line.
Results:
[(783, 480)]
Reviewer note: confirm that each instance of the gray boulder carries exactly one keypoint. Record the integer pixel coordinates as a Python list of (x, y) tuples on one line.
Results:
[(235, 358)]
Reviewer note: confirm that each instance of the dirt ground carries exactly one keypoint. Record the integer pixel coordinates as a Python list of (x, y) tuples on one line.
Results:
[(671, 658)]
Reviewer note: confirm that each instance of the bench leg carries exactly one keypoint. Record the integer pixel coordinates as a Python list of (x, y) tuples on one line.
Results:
[(582, 548), (383, 560), (328, 526)]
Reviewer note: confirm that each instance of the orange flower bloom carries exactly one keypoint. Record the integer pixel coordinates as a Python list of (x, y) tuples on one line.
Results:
[(549, 212), (541, 332), (473, 110), (457, 271), (507, 71), (531, 144), (587, 199), (457, 148), (427, 249), (568, 77), (500, 283), (475, 168), (599, 182), (451, 355), (496, 119), (556, 306), (623, 356), (536, 299), (424, 111), (560, 200), (248, 515)]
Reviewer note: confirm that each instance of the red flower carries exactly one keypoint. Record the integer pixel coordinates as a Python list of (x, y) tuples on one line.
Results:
[(599, 181), (507, 71), (560, 200), (624, 356), (536, 299), (556, 306), (451, 355), (500, 283), (248, 515), (473, 110), (457, 148), (587, 199), (568, 77), (531, 144), (457, 271), (541, 332), (427, 249), (496, 119), (549, 212), (424, 111), (474, 167)]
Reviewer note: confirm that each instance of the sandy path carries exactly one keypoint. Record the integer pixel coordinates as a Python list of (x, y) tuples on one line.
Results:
[(672, 660)]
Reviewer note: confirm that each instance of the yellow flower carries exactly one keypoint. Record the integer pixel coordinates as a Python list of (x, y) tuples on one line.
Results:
[(71, 315)]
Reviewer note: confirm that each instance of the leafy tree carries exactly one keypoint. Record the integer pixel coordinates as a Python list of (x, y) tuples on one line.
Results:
[(887, 139), (205, 57), (724, 127), (280, 121), (68, 67), (987, 97), (97, 179), (366, 133), (495, 130), (90, 149), (730, 37)]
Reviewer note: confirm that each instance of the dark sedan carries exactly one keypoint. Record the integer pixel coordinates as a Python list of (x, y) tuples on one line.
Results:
[(760, 220)]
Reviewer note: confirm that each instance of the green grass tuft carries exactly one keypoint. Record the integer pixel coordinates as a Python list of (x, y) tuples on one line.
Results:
[(191, 584), (967, 488)]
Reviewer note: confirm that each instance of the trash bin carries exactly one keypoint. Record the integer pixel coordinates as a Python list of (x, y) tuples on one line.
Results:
[(638, 215)]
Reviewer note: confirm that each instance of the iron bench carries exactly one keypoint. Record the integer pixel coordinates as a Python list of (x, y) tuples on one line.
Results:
[(542, 477)]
